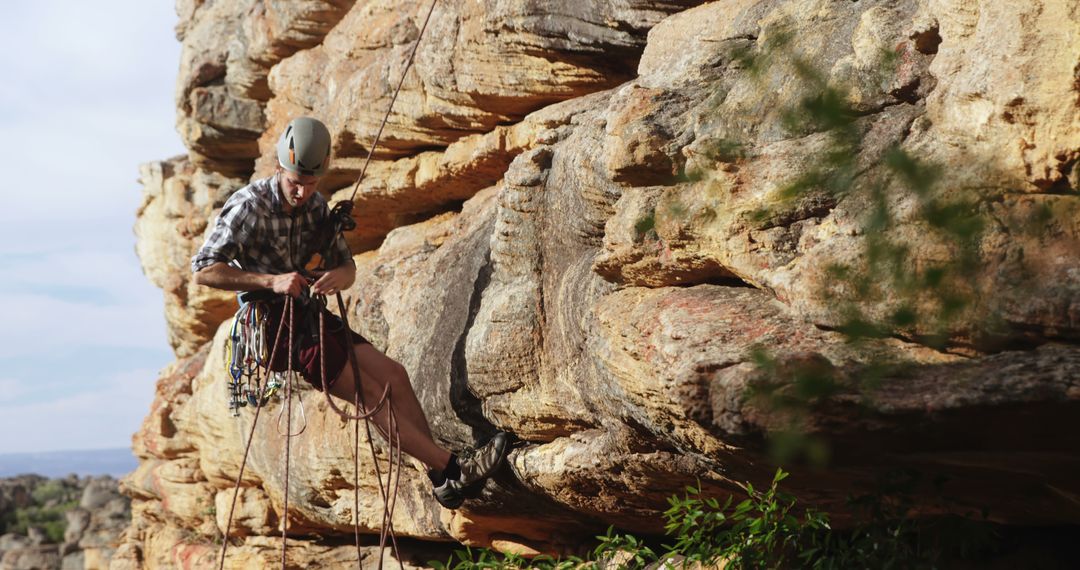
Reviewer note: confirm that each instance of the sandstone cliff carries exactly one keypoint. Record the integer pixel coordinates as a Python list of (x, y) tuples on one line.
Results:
[(557, 240)]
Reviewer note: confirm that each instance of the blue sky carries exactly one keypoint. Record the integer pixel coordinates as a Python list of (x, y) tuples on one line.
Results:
[(87, 96)]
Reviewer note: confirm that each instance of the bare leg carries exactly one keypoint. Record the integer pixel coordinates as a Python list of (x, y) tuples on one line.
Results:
[(376, 369)]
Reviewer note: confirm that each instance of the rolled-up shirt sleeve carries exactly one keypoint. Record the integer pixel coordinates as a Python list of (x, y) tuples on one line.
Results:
[(342, 249), (338, 247), (233, 228)]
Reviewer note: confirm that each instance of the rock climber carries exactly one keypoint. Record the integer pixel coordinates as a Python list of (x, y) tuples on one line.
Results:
[(263, 238)]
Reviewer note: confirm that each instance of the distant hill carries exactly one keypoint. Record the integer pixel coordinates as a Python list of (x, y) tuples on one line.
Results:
[(115, 462)]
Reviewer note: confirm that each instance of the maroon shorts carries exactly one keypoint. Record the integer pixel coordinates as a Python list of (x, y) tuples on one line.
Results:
[(305, 357)]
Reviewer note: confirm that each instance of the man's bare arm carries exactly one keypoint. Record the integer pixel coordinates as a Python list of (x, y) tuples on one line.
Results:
[(223, 276)]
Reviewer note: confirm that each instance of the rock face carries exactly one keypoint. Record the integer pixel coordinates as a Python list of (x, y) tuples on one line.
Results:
[(580, 228)]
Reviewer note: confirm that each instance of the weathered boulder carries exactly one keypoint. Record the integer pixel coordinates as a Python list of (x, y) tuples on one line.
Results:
[(93, 525), (178, 202), (103, 514), (712, 226), (31, 558)]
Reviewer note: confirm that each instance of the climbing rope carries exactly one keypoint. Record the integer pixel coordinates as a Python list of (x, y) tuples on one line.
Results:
[(341, 214), (245, 357), (289, 307), (247, 449), (341, 221), (378, 135), (388, 491)]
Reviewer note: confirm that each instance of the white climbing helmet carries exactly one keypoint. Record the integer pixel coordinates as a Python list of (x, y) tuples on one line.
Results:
[(304, 147)]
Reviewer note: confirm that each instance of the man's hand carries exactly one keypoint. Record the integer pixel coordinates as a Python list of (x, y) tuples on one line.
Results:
[(291, 284), (333, 281)]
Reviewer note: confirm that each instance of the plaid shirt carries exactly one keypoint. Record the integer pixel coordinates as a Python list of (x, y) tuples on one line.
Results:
[(253, 233)]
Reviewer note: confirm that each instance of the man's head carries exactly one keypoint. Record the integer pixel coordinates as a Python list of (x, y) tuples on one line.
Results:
[(303, 152), (296, 189)]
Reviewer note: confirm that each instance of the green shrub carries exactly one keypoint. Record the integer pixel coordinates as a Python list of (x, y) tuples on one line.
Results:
[(767, 529), (761, 531), (51, 519), (484, 559), (50, 500)]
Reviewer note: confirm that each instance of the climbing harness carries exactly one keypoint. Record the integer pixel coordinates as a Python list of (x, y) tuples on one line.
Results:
[(248, 365)]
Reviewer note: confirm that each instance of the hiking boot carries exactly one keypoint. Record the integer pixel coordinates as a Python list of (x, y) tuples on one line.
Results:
[(476, 466)]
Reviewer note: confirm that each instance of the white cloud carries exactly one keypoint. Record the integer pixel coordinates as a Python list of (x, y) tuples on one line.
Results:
[(30, 237), (96, 297), (11, 389), (114, 275), (94, 42), (79, 163), (35, 323), (103, 416)]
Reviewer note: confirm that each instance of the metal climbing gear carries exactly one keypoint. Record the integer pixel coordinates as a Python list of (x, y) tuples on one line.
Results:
[(246, 359)]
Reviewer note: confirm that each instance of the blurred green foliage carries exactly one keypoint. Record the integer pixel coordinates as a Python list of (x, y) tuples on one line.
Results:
[(768, 529), (883, 291), (50, 500)]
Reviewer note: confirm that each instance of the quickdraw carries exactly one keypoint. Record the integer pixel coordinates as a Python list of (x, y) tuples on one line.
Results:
[(246, 357)]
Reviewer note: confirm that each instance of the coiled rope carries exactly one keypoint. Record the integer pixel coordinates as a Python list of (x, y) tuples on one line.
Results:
[(389, 489)]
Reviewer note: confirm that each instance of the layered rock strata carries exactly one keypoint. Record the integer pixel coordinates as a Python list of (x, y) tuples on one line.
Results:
[(578, 229)]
